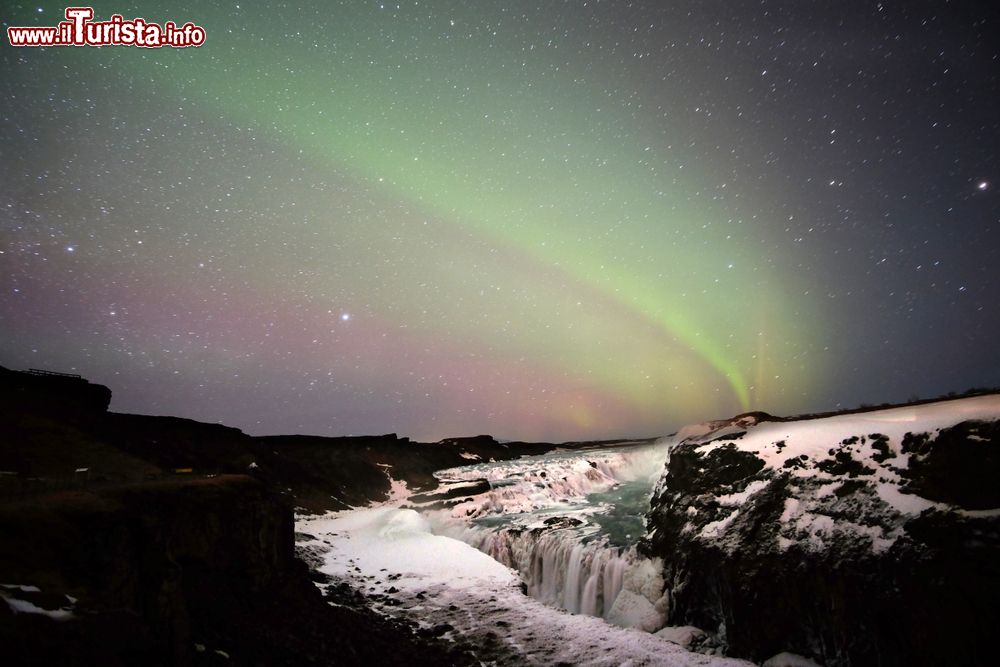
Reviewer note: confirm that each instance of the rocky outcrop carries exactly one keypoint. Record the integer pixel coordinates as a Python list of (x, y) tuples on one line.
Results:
[(132, 539), (138, 557), (58, 434), (62, 393), (182, 572), (864, 539)]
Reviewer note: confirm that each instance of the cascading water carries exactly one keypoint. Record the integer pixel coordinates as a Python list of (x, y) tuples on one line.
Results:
[(567, 522), (558, 569)]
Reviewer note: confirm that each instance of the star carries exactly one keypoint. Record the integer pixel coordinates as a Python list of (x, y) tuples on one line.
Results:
[(474, 227)]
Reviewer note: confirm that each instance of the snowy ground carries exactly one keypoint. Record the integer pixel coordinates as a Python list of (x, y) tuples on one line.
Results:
[(873, 444), (439, 582)]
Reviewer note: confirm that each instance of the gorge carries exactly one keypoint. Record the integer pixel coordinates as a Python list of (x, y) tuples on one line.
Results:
[(845, 539), (758, 537)]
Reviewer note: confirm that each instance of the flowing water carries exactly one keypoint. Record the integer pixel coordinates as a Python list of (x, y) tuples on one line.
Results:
[(568, 522)]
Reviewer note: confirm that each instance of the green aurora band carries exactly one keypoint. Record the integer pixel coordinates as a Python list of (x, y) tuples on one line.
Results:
[(525, 160)]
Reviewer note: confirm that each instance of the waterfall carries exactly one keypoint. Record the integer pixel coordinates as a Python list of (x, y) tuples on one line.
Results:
[(538, 518), (557, 568), (534, 483)]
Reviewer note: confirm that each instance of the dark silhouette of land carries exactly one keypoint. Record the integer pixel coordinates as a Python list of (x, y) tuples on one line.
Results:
[(165, 541)]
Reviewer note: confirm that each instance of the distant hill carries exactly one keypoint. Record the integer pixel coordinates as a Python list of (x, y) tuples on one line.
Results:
[(58, 434)]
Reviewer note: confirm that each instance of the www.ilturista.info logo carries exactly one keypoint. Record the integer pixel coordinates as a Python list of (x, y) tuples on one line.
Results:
[(79, 30)]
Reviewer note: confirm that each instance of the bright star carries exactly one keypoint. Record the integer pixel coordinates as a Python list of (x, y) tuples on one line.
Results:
[(982, 185), (345, 316)]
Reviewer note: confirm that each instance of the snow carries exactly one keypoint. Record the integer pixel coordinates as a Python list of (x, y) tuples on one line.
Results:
[(412, 566), (536, 518), (632, 610), (808, 516), (400, 540), (398, 491), (789, 660), (737, 499), (19, 606), (436, 579), (683, 635), (716, 528), (904, 503), (526, 485), (815, 437), (24, 588)]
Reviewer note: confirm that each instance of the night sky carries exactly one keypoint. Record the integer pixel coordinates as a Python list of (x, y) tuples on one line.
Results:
[(550, 220)]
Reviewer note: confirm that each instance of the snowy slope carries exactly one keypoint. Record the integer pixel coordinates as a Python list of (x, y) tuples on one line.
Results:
[(450, 587), (828, 460)]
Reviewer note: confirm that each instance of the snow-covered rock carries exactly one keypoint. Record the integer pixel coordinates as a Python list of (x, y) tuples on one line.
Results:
[(785, 659), (854, 539), (684, 635), (632, 610)]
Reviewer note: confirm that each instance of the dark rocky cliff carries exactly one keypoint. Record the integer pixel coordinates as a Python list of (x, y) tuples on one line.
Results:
[(134, 561), (132, 539), (185, 572), (58, 434), (129, 540), (59, 393), (864, 540)]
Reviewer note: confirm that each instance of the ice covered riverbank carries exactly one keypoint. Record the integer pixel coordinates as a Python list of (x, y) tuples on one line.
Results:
[(453, 590)]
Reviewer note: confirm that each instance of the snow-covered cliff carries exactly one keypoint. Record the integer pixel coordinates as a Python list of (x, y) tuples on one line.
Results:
[(868, 538)]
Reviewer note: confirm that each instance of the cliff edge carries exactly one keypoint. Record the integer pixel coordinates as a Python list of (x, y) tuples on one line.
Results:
[(855, 539)]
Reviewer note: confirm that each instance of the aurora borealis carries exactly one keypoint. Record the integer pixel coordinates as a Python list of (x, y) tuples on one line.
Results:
[(535, 220)]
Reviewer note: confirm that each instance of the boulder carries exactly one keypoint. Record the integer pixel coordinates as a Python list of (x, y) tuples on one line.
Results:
[(684, 635), (632, 610)]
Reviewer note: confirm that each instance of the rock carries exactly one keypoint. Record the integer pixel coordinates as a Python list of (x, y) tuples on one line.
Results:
[(632, 610), (45, 391), (789, 660), (562, 522), (851, 540), (684, 635), (958, 466), (435, 631)]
